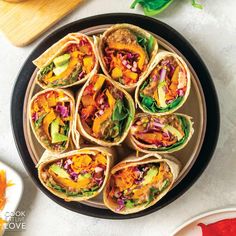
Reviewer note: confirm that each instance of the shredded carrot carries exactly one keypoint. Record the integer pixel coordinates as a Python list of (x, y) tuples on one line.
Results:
[(3, 186), (2, 222)]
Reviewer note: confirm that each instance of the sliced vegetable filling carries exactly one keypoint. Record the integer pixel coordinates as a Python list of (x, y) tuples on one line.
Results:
[(165, 87), (126, 55), (139, 185), (51, 117), (74, 63), (77, 175), (160, 133), (104, 110)]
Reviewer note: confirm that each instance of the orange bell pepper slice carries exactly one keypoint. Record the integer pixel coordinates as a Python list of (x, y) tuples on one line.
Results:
[(49, 118)]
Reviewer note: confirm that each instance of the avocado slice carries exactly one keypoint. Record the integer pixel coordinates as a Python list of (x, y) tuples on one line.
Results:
[(56, 136), (59, 69), (150, 174), (162, 94), (61, 60), (174, 131), (59, 171)]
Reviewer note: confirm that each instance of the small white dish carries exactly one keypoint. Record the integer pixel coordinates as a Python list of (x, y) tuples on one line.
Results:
[(13, 193), (191, 228)]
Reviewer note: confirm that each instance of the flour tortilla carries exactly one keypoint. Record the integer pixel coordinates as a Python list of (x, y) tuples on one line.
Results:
[(48, 158), (136, 145), (78, 127), (57, 49), (161, 55), (100, 46), (132, 160), (72, 110)]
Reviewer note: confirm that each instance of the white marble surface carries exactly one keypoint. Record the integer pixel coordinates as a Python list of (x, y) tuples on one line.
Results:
[(212, 32)]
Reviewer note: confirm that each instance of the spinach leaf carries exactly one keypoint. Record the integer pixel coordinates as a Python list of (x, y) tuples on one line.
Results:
[(145, 43), (74, 194), (154, 7), (47, 69), (38, 122), (142, 41), (197, 5), (56, 187), (120, 112), (152, 192), (150, 104), (186, 129)]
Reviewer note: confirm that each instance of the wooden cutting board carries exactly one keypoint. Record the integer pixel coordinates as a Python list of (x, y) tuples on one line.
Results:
[(24, 22)]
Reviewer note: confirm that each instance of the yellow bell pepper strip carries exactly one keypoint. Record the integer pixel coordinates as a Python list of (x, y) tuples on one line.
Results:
[(99, 83), (111, 99), (101, 159), (88, 63), (49, 118), (131, 75)]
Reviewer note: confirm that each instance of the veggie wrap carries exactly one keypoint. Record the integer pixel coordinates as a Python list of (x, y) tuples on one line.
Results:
[(125, 53), (160, 134), (76, 175), (68, 62), (104, 112), (138, 183), (51, 115), (166, 87)]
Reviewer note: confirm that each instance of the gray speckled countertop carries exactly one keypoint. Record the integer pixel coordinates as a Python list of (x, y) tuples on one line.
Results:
[(212, 32)]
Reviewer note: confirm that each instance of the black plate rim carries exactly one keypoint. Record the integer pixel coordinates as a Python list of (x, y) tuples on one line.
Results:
[(169, 34)]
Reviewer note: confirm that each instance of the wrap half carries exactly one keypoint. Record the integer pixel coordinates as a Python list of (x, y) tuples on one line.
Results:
[(51, 114), (76, 175), (138, 183), (160, 134), (166, 87), (104, 112), (68, 62), (125, 53)]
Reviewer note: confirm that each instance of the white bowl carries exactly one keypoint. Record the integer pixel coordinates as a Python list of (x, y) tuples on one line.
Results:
[(13, 193)]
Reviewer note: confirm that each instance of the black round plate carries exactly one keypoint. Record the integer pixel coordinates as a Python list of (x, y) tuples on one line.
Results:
[(170, 35)]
